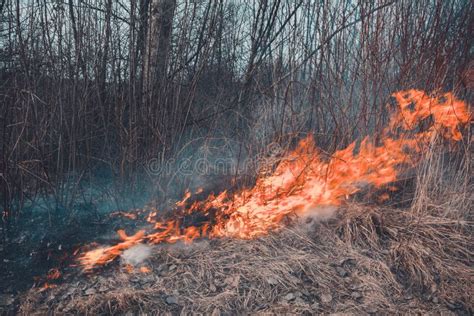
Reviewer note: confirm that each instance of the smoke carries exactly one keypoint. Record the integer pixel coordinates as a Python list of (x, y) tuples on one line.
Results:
[(136, 254), (312, 216), (319, 213)]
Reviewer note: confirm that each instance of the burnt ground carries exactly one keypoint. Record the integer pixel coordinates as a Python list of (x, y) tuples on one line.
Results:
[(35, 245), (365, 260)]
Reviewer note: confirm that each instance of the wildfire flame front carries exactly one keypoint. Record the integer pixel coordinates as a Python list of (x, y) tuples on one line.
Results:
[(305, 180)]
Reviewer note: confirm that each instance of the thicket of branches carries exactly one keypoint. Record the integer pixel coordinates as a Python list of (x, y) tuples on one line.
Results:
[(90, 84)]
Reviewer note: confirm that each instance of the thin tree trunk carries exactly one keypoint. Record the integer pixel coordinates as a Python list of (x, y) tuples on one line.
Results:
[(157, 47)]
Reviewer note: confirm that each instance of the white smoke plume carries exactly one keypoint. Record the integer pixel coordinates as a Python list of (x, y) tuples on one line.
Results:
[(136, 255)]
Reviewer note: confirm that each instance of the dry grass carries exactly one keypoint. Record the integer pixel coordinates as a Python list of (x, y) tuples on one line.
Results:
[(365, 260)]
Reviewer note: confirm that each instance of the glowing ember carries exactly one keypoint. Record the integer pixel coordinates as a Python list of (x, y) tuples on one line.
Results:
[(145, 270), (47, 286), (304, 181), (53, 274), (128, 215)]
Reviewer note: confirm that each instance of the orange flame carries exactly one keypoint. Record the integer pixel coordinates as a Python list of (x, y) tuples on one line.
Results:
[(103, 255), (47, 286), (53, 274), (145, 270), (304, 181)]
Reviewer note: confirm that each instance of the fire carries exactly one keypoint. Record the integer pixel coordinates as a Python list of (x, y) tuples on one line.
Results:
[(305, 180), (53, 274), (103, 255), (128, 215), (145, 270), (47, 286)]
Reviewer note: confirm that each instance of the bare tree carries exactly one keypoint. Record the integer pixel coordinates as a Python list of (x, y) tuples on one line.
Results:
[(157, 46)]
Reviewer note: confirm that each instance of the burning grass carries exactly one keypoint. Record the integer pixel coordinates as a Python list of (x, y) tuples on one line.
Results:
[(304, 183), (260, 250), (366, 259)]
